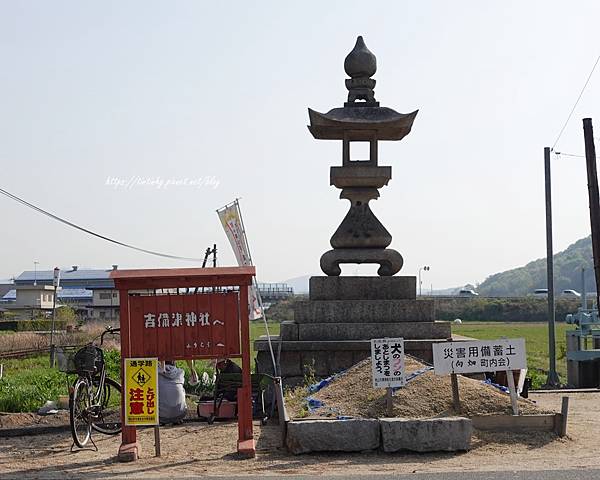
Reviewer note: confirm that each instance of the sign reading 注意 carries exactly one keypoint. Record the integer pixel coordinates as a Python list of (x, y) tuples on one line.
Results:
[(177, 327), (387, 362), (141, 391), (479, 356)]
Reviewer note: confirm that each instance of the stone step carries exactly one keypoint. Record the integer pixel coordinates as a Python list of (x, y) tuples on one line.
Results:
[(364, 311), (363, 288), (364, 331), (261, 344)]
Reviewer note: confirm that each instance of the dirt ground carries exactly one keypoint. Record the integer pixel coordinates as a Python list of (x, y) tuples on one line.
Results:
[(194, 449)]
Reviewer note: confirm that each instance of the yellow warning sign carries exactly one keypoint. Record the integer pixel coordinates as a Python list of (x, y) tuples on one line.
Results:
[(141, 391)]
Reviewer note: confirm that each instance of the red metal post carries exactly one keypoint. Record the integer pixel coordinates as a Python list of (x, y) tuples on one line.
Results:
[(246, 444), (130, 448)]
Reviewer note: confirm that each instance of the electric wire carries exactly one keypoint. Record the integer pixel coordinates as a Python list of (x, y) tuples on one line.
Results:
[(562, 154), (576, 102), (90, 232)]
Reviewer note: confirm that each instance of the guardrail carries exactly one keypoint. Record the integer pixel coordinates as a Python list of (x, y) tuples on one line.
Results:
[(12, 354)]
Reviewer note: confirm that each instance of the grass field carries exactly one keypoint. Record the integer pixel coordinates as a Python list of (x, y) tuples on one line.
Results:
[(536, 341), (28, 383)]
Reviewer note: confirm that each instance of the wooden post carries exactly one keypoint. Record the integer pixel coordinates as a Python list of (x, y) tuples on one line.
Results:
[(513, 391), (129, 450), (389, 403), (157, 441), (564, 411), (246, 444), (455, 393)]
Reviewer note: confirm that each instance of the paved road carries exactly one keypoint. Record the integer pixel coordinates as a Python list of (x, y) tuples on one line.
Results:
[(508, 475)]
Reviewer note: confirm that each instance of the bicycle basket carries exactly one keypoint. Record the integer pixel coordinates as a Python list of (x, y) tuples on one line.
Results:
[(89, 359), (65, 359)]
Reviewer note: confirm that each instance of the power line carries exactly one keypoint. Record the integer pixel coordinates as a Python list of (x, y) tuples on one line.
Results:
[(576, 102), (569, 155), (90, 232)]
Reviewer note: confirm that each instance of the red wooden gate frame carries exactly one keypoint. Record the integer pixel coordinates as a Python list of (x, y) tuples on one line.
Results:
[(241, 277)]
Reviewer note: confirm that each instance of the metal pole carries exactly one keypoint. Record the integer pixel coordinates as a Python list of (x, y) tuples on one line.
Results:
[(552, 380), (420, 280), (592, 178), (583, 292), (52, 329), (276, 366)]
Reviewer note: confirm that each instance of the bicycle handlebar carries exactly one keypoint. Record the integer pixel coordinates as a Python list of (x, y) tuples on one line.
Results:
[(108, 330)]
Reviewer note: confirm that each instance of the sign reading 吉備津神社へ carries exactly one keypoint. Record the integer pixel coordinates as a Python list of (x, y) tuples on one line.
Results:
[(141, 391), (479, 356), (387, 362)]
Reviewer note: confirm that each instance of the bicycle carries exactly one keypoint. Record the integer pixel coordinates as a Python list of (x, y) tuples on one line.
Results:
[(94, 398)]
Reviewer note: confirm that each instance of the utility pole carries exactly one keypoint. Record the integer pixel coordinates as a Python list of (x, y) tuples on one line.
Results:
[(592, 178), (56, 284), (552, 381)]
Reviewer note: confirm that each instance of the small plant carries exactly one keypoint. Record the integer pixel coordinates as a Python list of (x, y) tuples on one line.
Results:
[(309, 374)]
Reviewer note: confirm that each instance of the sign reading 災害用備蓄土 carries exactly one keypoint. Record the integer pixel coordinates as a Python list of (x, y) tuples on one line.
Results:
[(387, 361), (479, 356)]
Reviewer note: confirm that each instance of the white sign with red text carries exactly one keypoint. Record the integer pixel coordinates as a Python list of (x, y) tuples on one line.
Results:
[(387, 361)]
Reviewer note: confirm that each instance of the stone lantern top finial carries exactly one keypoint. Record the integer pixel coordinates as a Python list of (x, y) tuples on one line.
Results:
[(360, 62), (360, 65)]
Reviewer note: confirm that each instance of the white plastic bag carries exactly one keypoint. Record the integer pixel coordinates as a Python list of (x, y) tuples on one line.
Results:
[(171, 395)]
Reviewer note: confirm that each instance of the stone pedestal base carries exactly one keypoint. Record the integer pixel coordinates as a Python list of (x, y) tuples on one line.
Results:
[(333, 329)]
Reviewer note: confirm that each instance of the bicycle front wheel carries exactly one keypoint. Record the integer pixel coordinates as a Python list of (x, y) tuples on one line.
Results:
[(108, 420), (79, 413)]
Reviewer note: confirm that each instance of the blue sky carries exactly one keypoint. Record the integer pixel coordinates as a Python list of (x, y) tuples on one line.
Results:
[(197, 90)]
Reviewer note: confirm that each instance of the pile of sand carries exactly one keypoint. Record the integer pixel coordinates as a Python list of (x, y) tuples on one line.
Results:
[(427, 395)]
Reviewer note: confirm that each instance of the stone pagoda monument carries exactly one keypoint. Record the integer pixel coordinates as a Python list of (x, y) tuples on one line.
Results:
[(332, 330)]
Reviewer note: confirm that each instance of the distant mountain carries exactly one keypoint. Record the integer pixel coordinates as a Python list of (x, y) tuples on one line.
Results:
[(567, 273)]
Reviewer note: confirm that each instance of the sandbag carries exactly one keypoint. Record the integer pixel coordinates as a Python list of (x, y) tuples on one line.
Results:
[(171, 395)]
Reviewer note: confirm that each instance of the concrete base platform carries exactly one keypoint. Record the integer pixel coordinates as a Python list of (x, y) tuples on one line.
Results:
[(247, 448), (392, 434), (355, 435), (129, 452), (426, 435)]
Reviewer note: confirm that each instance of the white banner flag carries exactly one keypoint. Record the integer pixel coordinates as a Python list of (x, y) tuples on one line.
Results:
[(231, 220)]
